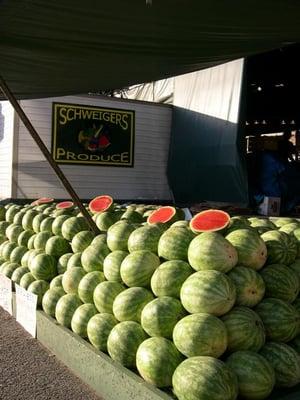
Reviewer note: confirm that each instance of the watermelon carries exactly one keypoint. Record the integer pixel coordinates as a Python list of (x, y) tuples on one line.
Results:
[(169, 277), (256, 376), (2, 212), (138, 267), (57, 224), (81, 241), (128, 304), (7, 250), (105, 294), (289, 228), (50, 300), (296, 233), (81, 317), (200, 334), (11, 212), (88, 284), (204, 378), (156, 360), (31, 256), (30, 243), (132, 216), (209, 221), (211, 251), (99, 328), (105, 220), (17, 254), (41, 239), (112, 265), (181, 224), (262, 223), (166, 214), (296, 304), (63, 262), (38, 287), (250, 287), (43, 267), (57, 246), (56, 282), (65, 205), (3, 226), (43, 200), (144, 238), (295, 266), (279, 222), (99, 240), (36, 222), (285, 361), (65, 308), (281, 282), (123, 342), (208, 292), (18, 273), (72, 226), (24, 237), (295, 344), (174, 243), (3, 239), (281, 248), (159, 317), (74, 261), (251, 249), (245, 330), (46, 224), (49, 210), (71, 279), (26, 280), (93, 257), (118, 235), (100, 203), (18, 217), (9, 269), (12, 232), (281, 320)]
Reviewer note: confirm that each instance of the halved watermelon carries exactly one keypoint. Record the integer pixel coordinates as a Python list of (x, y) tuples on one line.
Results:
[(42, 200), (209, 221), (101, 203), (65, 205), (163, 214)]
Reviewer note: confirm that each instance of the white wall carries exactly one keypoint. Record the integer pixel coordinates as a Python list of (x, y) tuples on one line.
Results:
[(147, 180), (6, 149)]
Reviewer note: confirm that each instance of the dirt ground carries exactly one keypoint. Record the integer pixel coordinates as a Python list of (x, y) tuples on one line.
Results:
[(29, 372)]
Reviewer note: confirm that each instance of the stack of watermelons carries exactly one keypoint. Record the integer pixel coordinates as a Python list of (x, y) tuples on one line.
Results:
[(209, 309)]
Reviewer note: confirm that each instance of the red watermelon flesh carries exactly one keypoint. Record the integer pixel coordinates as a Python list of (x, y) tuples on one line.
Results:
[(100, 203), (162, 214), (65, 205), (209, 221), (42, 200)]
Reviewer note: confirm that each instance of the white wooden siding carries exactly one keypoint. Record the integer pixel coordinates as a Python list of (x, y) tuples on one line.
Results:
[(147, 180), (6, 149)]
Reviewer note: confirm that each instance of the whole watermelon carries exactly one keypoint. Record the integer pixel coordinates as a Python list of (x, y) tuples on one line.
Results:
[(7, 250), (123, 342), (56, 282), (156, 360), (256, 376), (99, 328), (174, 243), (209, 292), (93, 257), (81, 241), (63, 262), (26, 280), (73, 225), (46, 224), (28, 219), (9, 269), (50, 300), (17, 254), (290, 228), (105, 294), (38, 287), (112, 265), (57, 246), (128, 305), (118, 235), (99, 239), (285, 361), (81, 317), (200, 334), (251, 249), (18, 273), (74, 261), (211, 251), (145, 238), (204, 378), (295, 266), (24, 237), (57, 224), (43, 267), (282, 249), (250, 287), (12, 232), (36, 222), (245, 329), (71, 279), (65, 308), (88, 284), (106, 219), (279, 222), (40, 240)]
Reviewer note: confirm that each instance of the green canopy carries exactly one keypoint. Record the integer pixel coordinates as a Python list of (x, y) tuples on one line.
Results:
[(50, 48)]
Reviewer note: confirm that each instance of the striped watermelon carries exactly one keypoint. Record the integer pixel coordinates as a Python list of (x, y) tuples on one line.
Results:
[(156, 360), (38, 287), (256, 376), (281, 282), (132, 216), (7, 249), (138, 267), (26, 280), (31, 256), (65, 308), (128, 305), (295, 344), (251, 249), (18, 273), (296, 304), (40, 240), (24, 237), (99, 328), (3, 226), (46, 224), (73, 225), (18, 217), (71, 279), (295, 266), (281, 320), (81, 317), (28, 219), (74, 261), (12, 232), (63, 262), (118, 235), (17, 254), (123, 342), (30, 243), (9, 269), (250, 287), (112, 265), (204, 378), (145, 238), (285, 361), (290, 228), (36, 222), (245, 329), (105, 294), (50, 300), (282, 249), (159, 317), (208, 291), (57, 246), (106, 219), (99, 239), (211, 251), (56, 282), (57, 224), (81, 241), (279, 222), (200, 334), (88, 284), (43, 267), (174, 243), (169, 277), (93, 257)]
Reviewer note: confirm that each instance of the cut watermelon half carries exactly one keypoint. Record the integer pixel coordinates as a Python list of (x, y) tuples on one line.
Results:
[(101, 203), (163, 214), (42, 200), (65, 205), (209, 221)]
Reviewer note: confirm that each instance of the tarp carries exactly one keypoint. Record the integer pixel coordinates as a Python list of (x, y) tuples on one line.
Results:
[(50, 48)]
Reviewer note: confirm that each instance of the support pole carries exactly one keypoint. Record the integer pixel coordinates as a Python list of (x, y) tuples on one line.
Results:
[(9, 95)]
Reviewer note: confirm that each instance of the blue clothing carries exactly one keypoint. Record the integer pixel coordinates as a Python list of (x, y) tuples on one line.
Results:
[(271, 182)]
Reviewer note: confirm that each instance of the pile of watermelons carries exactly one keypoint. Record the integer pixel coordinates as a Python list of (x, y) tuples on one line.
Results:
[(207, 309)]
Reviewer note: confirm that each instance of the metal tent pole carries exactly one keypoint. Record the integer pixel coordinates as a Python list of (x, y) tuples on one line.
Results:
[(9, 95)]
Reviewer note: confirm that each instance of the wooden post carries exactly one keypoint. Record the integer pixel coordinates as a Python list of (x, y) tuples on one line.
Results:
[(9, 95)]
